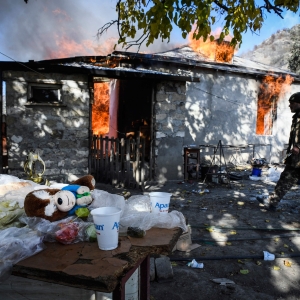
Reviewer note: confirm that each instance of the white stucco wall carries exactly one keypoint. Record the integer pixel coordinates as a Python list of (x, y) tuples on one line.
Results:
[(222, 106)]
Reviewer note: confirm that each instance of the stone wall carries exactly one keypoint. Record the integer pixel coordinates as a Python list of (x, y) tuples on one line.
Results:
[(169, 128), (60, 134)]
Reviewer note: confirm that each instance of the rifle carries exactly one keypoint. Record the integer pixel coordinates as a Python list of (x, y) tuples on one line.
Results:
[(286, 157)]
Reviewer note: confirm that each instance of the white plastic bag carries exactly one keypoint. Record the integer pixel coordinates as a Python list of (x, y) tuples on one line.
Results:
[(274, 174), (17, 244), (147, 220), (103, 198)]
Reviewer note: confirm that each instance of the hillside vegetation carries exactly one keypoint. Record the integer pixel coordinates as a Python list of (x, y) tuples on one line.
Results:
[(276, 50)]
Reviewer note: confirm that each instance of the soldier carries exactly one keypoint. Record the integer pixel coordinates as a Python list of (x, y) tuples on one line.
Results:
[(291, 173)]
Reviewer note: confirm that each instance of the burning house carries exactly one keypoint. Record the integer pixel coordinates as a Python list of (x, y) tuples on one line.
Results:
[(77, 111)]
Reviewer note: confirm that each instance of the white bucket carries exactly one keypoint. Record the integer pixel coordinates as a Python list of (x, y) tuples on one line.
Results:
[(160, 202), (106, 221)]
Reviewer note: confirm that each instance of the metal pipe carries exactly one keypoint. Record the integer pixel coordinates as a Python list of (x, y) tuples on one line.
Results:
[(246, 228), (261, 256), (246, 239)]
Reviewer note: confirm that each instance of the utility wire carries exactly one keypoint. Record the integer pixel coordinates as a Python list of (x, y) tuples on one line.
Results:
[(23, 65), (234, 102)]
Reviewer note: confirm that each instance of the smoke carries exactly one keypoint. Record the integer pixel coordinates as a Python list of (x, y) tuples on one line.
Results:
[(51, 29)]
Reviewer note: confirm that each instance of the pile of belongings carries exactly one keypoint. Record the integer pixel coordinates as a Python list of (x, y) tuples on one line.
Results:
[(258, 162)]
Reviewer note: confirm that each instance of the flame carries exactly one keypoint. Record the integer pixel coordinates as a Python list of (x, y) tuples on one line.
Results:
[(271, 91), (100, 109), (67, 47), (214, 50), (67, 44)]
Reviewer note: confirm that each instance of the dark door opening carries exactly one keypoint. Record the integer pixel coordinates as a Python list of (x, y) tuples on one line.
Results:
[(134, 114)]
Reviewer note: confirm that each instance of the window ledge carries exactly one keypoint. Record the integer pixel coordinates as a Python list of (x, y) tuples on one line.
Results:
[(46, 104)]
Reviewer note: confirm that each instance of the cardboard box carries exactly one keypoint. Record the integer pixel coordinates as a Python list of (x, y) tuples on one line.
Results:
[(184, 242)]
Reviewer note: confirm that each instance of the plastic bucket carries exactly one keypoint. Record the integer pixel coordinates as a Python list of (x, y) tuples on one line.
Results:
[(160, 202), (256, 172), (106, 221)]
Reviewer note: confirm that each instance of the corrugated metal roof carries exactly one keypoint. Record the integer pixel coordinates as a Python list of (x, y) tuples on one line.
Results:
[(177, 64)]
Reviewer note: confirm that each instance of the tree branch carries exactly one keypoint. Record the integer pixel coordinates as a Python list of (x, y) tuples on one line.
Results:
[(105, 27), (221, 5)]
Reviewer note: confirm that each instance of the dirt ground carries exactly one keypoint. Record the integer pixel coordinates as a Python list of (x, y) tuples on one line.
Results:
[(239, 219), (233, 230)]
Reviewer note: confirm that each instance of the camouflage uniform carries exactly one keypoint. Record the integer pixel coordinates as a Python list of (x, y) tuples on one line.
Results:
[(291, 173)]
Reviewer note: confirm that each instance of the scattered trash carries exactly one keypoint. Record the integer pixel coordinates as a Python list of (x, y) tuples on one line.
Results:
[(256, 178), (276, 268), (201, 192), (195, 264), (244, 271), (258, 162), (268, 256), (136, 232), (274, 174), (223, 281), (235, 176), (287, 263)]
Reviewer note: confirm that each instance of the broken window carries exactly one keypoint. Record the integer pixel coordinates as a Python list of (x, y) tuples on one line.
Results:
[(270, 91), (44, 93), (100, 108), (266, 115)]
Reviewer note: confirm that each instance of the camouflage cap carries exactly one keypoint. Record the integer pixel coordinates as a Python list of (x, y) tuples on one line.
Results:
[(295, 98)]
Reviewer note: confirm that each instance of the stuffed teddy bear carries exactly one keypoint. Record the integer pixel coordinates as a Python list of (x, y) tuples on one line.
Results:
[(87, 180), (56, 204), (72, 197)]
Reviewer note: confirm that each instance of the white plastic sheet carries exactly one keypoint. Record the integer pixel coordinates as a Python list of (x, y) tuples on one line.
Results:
[(274, 174), (17, 244)]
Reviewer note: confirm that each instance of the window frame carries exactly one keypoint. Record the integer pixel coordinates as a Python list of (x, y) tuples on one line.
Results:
[(50, 86)]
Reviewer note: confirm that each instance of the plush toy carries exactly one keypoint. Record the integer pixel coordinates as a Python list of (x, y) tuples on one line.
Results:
[(87, 180), (72, 197), (40, 203), (56, 204)]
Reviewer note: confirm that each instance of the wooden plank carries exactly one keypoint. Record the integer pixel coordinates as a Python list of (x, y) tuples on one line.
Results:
[(122, 161), (112, 161), (84, 265), (127, 163), (101, 159), (117, 161), (106, 167), (137, 175), (97, 156), (94, 158), (142, 168)]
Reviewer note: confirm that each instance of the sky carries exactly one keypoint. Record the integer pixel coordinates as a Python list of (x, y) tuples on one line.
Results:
[(47, 29)]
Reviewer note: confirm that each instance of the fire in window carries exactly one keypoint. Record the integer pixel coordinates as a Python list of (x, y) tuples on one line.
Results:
[(100, 108), (44, 93), (270, 92)]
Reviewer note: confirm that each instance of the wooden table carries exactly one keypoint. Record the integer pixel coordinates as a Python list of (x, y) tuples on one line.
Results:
[(84, 265)]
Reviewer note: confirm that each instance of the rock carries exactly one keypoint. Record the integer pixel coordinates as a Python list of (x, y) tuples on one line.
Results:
[(152, 269), (164, 270)]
